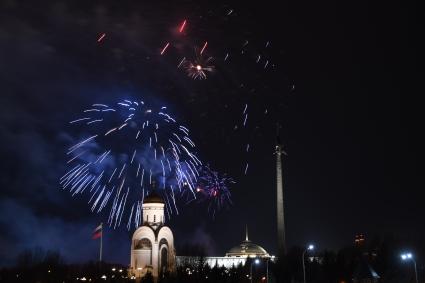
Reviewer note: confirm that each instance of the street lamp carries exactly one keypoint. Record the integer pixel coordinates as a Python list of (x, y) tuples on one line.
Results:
[(409, 256), (267, 270), (309, 248), (267, 267), (256, 261)]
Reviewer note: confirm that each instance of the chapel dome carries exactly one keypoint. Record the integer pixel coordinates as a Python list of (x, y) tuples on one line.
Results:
[(153, 197)]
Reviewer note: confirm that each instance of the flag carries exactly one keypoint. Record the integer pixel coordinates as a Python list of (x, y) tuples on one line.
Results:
[(97, 233)]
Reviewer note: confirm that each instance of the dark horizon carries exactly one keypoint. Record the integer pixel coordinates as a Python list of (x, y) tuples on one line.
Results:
[(343, 80)]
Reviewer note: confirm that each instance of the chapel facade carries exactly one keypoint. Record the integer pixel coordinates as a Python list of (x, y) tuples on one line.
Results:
[(152, 245)]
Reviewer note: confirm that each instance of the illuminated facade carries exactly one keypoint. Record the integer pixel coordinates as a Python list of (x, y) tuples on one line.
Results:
[(152, 245), (236, 256)]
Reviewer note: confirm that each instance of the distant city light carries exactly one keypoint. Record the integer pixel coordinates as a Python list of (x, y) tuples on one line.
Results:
[(310, 247), (257, 261)]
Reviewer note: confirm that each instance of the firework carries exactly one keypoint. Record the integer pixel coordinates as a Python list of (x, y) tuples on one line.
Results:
[(102, 36), (129, 148), (182, 26), (213, 187), (181, 62), (165, 48), (198, 68), (203, 47)]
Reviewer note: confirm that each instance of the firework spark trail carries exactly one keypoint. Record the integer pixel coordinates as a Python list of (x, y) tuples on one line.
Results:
[(78, 155), (182, 26), (227, 56), (112, 158), (69, 172), (167, 207), (174, 200), (102, 156), (78, 120), (181, 62), (130, 217), (246, 168), (101, 37), (203, 48), (94, 121), (137, 218), (165, 48), (74, 175)]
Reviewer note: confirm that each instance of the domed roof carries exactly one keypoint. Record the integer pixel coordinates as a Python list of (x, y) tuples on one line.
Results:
[(247, 249), (153, 197)]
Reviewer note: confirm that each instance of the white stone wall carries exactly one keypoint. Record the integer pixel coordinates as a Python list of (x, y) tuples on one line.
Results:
[(140, 261), (149, 258), (153, 214)]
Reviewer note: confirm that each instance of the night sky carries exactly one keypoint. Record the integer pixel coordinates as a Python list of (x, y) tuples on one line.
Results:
[(343, 80)]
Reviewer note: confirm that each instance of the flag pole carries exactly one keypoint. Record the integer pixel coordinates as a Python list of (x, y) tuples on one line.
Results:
[(101, 242)]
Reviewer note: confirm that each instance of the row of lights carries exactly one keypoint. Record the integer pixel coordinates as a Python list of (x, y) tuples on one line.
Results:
[(104, 277), (404, 257)]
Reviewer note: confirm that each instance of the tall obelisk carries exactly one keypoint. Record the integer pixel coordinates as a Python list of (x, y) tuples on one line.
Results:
[(279, 200)]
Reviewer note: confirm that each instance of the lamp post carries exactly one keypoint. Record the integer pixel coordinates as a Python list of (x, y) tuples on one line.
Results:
[(267, 267), (309, 248), (257, 261), (409, 256), (267, 270)]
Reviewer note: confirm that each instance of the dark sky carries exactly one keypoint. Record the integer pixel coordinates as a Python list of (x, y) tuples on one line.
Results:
[(343, 80)]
